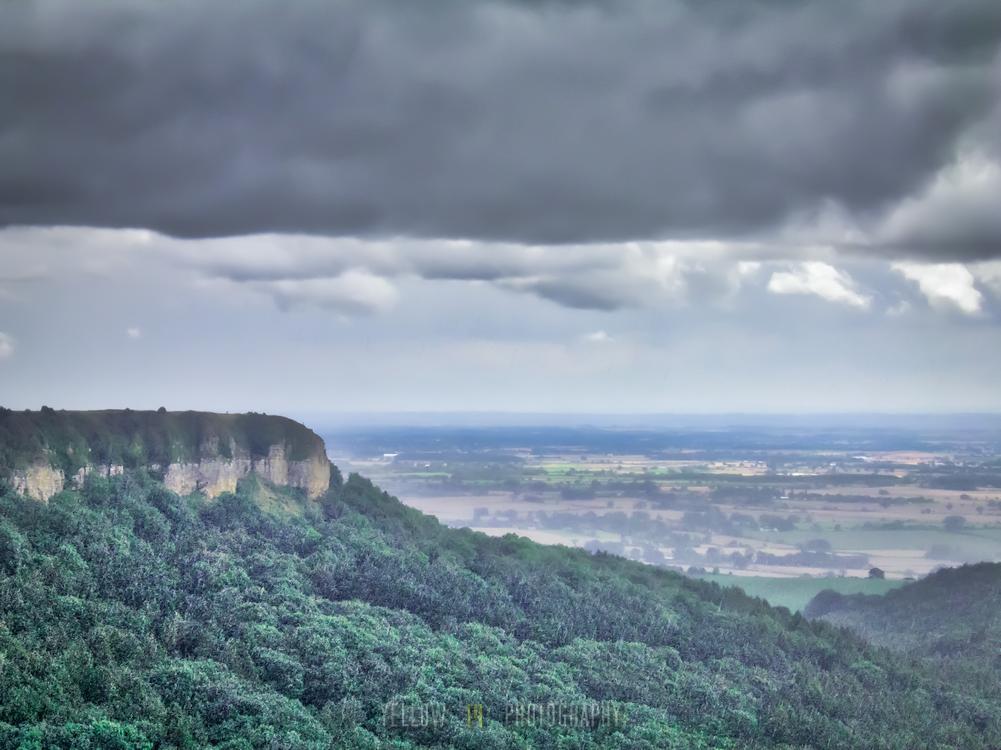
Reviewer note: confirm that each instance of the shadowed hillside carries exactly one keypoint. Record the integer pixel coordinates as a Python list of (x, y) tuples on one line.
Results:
[(951, 620), (954, 612)]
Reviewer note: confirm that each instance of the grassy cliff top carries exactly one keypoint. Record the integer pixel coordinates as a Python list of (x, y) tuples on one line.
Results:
[(72, 439)]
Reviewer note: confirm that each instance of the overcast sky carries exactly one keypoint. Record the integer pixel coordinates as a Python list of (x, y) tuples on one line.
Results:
[(501, 205)]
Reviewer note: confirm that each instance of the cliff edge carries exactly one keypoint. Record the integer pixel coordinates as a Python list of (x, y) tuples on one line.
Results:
[(42, 452)]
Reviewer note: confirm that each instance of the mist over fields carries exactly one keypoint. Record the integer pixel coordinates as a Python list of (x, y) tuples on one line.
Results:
[(738, 497)]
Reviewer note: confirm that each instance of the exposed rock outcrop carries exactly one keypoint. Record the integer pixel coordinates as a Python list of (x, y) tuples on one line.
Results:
[(194, 451), (39, 481), (213, 476)]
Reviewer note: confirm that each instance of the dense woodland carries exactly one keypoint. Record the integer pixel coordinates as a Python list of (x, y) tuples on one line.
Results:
[(134, 618), (951, 619), (952, 612)]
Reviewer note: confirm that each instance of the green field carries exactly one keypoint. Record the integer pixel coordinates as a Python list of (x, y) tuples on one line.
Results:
[(795, 593)]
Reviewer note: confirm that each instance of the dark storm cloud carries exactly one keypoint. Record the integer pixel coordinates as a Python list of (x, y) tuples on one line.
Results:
[(491, 120)]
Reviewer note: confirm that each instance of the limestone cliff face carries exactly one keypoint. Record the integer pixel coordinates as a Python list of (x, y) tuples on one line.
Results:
[(194, 451), (213, 476), (39, 481)]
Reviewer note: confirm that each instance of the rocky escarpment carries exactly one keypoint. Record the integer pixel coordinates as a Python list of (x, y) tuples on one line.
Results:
[(39, 481), (214, 476), (41, 453)]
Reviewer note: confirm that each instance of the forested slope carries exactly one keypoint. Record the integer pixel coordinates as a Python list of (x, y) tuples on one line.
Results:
[(951, 620), (954, 611), (131, 617)]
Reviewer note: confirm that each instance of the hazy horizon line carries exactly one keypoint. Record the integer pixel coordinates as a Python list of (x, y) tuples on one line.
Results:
[(355, 419)]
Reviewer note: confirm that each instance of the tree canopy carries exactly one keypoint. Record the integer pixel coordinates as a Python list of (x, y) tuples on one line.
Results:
[(134, 618)]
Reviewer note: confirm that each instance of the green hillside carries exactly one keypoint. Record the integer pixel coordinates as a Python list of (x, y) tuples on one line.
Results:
[(951, 620), (72, 439), (133, 618), (953, 612)]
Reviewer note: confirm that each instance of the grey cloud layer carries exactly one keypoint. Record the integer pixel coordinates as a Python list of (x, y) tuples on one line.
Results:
[(602, 277), (587, 277), (352, 276), (514, 122)]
